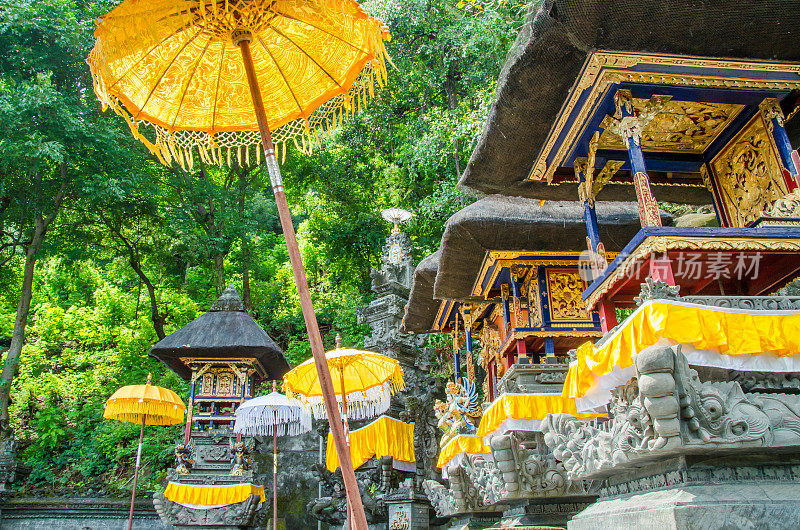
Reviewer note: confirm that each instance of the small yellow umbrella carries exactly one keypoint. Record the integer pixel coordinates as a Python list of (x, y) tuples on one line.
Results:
[(148, 405), (363, 383)]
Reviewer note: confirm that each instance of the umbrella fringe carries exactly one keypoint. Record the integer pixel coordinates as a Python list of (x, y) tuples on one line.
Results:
[(360, 405), (260, 421)]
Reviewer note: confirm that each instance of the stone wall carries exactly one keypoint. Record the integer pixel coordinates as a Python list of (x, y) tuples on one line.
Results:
[(39, 513)]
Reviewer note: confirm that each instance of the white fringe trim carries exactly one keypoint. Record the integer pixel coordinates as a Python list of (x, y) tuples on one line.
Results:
[(360, 405), (260, 421)]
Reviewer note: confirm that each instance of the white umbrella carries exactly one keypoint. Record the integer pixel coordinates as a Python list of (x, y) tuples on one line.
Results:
[(273, 414)]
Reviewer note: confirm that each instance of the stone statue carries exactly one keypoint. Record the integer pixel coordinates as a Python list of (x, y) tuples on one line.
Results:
[(184, 458)]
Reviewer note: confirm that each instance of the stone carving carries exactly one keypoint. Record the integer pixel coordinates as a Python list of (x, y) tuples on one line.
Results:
[(240, 456), (656, 290), (532, 378), (666, 409), (529, 469), (332, 509), (785, 300), (248, 513), (440, 497)]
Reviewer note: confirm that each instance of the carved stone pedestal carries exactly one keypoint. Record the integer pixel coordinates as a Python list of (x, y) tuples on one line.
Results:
[(541, 513), (408, 511), (474, 521), (701, 493)]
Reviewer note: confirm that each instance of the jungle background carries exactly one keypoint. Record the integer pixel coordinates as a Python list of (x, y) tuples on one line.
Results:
[(103, 250)]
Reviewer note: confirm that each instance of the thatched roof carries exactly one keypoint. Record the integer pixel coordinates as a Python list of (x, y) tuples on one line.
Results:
[(422, 308), (226, 330), (554, 43), (498, 222)]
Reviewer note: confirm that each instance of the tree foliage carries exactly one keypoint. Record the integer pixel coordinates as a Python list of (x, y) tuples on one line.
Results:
[(134, 250)]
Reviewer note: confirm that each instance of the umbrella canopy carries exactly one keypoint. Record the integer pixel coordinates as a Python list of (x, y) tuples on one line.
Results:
[(367, 380), (175, 65), (157, 405), (260, 416)]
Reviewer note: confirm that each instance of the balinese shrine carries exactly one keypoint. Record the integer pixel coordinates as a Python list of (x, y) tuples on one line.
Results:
[(224, 354), (506, 278), (676, 402)]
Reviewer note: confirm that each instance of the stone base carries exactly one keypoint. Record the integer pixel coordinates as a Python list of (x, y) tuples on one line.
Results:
[(474, 521), (747, 491), (544, 513), (35, 513), (772, 506)]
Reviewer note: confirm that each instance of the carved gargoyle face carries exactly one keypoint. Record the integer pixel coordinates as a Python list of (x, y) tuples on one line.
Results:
[(726, 413)]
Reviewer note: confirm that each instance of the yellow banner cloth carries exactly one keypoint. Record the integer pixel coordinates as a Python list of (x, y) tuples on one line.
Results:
[(461, 444), (212, 495), (727, 331), (528, 407), (383, 437)]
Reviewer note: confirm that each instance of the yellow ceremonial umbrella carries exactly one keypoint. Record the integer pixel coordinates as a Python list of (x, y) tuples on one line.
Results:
[(363, 382), (148, 405), (179, 73)]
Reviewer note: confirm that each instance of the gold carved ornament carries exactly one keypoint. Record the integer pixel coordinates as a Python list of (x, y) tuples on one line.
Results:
[(749, 173), (564, 291), (605, 69)]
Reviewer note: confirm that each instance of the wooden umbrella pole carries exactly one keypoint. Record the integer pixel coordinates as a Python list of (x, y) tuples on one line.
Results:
[(346, 437), (314, 336), (136, 472), (275, 470)]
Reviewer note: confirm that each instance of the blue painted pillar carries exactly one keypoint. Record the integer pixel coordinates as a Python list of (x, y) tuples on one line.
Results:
[(631, 131), (456, 356), (589, 213), (773, 115), (506, 309), (550, 351)]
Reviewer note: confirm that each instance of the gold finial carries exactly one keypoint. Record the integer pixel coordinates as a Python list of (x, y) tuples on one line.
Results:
[(338, 342), (396, 229), (149, 378)]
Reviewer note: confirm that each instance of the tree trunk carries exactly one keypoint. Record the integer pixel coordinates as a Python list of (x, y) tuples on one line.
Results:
[(156, 316), (248, 303), (11, 363), (219, 272)]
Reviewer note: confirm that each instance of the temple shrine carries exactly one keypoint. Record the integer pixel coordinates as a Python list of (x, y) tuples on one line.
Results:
[(683, 405), (224, 354)]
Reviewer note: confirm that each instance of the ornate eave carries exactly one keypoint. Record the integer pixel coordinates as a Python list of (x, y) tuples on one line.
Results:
[(707, 101)]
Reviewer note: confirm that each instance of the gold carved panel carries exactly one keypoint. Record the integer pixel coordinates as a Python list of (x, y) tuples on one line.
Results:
[(680, 127), (564, 288), (749, 174)]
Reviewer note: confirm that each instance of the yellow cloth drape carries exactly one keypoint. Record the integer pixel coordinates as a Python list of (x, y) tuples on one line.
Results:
[(531, 407), (461, 444), (728, 331), (383, 437), (212, 495)]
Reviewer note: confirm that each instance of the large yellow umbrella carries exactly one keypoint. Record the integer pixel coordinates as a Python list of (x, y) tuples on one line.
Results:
[(179, 72), (147, 405)]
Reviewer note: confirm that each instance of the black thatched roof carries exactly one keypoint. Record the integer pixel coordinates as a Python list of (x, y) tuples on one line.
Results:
[(226, 330), (422, 308), (555, 41), (498, 222)]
